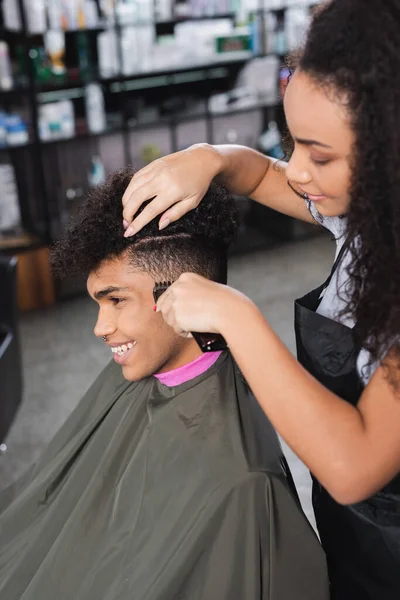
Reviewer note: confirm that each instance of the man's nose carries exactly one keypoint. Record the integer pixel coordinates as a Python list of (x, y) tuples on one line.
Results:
[(104, 326)]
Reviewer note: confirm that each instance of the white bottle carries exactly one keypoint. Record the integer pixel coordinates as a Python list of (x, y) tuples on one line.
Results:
[(297, 22), (107, 51), (54, 12), (43, 123), (10, 217), (6, 81), (270, 25), (67, 118), (11, 15), (36, 16), (130, 44), (95, 111), (91, 14), (163, 10)]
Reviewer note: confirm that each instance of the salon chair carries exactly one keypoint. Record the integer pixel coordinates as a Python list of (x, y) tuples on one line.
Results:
[(10, 352)]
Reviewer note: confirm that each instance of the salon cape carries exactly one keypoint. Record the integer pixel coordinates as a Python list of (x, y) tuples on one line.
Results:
[(156, 493)]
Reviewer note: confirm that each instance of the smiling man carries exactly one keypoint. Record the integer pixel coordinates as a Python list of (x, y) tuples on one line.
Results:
[(167, 482), (122, 273), (140, 340)]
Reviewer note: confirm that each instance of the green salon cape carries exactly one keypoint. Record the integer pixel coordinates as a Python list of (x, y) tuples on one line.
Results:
[(156, 493)]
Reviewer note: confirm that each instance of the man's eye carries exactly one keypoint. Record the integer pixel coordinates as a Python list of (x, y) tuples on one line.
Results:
[(116, 301)]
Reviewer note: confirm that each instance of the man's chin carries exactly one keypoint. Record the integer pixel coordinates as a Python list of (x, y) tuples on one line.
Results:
[(135, 373)]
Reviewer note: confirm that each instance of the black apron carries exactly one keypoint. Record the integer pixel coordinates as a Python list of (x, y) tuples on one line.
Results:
[(362, 541)]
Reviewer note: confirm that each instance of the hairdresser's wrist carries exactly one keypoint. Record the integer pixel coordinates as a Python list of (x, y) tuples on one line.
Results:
[(212, 160), (234, 310)]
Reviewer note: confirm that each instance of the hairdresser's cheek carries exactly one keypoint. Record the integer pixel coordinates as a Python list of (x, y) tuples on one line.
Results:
[(334, 183)]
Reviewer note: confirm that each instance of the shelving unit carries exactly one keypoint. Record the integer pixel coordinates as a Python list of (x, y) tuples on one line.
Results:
[(42, 186)]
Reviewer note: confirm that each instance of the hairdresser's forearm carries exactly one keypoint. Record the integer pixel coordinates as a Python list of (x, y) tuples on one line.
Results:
[(240, 169), (323, 430), (245, 172)]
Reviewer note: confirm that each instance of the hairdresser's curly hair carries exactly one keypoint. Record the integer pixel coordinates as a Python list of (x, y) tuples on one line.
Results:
[(198, 242), (353, 46)]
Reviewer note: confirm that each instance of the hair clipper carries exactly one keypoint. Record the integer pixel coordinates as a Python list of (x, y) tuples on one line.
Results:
[(208, 342)]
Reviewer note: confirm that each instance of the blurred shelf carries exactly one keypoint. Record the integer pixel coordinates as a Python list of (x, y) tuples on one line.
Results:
[(310, 5), (66, 83), (121, 83), (174, 73), (18, 243), (14, 93), (164, 82), (228, 113), (229, 59), (9, 34), (14, 35), (98, 29), (16, 147), (142, 125), (244, 109), (86, 135), (176, 20)]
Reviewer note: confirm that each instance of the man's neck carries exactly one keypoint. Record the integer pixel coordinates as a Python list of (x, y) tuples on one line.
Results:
[(189, 371), (187, 351)]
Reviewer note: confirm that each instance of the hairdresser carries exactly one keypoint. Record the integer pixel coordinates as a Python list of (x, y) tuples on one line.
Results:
[(338, 405)]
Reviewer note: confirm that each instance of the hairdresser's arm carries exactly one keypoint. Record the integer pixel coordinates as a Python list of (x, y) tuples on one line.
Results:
[(352, 451), (246, 172), (178, 183)]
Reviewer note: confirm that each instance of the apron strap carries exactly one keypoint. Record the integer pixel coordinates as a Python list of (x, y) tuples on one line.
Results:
[(339, 257)]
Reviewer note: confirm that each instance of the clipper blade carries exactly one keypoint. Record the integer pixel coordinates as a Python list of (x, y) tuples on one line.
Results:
[(159, 288)]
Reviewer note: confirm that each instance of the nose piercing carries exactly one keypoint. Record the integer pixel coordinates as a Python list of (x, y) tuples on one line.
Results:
[(104, 338)]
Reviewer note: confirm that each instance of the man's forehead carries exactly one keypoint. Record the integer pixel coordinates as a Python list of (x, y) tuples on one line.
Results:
[(117, 275)]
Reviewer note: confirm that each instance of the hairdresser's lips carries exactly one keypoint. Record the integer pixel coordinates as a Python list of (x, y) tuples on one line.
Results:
[(314, 197)]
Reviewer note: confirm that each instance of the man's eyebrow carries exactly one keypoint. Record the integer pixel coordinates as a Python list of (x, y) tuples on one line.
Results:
[(304, 142), (110, 290)]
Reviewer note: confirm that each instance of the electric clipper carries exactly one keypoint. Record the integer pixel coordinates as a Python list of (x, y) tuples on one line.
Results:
[(208, 342)]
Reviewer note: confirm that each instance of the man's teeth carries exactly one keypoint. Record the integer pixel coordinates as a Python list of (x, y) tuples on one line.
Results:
[(121, 350)]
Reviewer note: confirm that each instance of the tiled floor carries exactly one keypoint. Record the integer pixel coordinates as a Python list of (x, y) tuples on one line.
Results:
[(62, 357)]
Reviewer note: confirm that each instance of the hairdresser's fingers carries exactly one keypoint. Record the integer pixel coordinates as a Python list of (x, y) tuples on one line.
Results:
[(156, 171), (168, 306), (150, 212), (161, 203), (165, 307), (143, 189), (177, 211), (140, 178), (142, 193), (165, 301), (158, 205), (147, 188)]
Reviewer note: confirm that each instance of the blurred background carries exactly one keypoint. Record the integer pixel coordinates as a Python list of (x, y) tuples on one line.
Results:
[(88, 86)]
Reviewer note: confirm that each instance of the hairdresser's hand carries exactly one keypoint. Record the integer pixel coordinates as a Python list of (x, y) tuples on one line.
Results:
[(177, 183), (194, 303)]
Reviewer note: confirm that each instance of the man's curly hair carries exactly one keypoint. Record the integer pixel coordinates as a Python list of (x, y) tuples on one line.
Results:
[(353, 49), (197, 243)]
